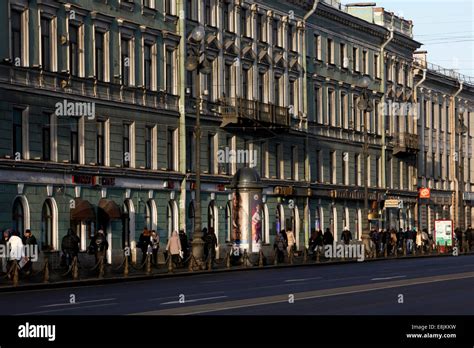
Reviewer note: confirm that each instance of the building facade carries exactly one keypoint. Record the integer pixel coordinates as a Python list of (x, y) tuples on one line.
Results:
[(98, 119)]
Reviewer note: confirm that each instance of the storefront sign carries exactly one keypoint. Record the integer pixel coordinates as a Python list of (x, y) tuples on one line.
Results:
[(107, 181), (356, 195), (83, 179), (284, 190), (424, 193), (444, 232), (394, 203)]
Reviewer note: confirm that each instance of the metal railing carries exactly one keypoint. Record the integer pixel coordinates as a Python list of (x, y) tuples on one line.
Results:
[(267, 114), (407, 141), (443, 71)]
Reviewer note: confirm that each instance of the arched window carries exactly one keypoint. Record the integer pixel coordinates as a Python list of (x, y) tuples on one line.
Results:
[(18, 216), (228, 222), (279, 218), (148, 215), (47, 226), (211, 216), (172, 217)]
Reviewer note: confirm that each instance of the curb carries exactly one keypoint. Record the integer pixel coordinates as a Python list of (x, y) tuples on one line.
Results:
[(121, 279)]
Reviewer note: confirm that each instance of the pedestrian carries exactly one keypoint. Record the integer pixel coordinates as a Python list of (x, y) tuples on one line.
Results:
[(4, 241), (418, 240), (279, 247), (425, 239), (384, 239), (346, 235), (291, 241), (469, 237), (70, 247), (393, 241), (211, 242), (204, 238), (98, 246), (458, 235), (400, 239), (312, 240), (144, 242), (328, 238), (319, 241), (155, 245), (183, 238), (174, 248), (30, 241), (284, 236), (15, 245)]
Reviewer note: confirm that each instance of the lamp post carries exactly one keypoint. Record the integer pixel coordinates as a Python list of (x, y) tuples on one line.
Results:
[(197, 63), (461, 130), (365, 105)]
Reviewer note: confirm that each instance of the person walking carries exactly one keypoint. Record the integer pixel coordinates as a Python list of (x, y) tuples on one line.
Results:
[(204, 239), (279, 247), (15, 245), (98, 246), (70, 246), (155, 245), (183, 238), (144, 241), (346, 235), (291, 240), (469, 237), (211, 243), (30, 241), (328, 238), (4, 241), (174, 248)]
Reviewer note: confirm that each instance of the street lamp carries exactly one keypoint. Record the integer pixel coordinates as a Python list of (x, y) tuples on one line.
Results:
[(197, 62), (461, 129), (365, 105)]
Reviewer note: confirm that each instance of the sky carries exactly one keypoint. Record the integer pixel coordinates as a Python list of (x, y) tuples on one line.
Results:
[(445, 27)]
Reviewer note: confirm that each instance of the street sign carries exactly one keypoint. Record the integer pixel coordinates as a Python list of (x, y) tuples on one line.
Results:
[(443, 232), (424, 193)]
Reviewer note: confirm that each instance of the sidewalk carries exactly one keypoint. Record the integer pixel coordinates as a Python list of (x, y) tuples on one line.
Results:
[(114, 273)]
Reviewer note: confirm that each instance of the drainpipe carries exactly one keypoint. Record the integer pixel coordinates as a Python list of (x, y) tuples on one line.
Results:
[(422, 136), (383, 90), (307, 227), (453, 121)]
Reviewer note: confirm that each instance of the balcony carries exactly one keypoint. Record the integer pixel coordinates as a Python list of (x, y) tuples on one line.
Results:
[(251, 114), (405, 144), (86, 87)]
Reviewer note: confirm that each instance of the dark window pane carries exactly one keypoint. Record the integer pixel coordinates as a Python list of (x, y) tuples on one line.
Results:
[(45, 44)]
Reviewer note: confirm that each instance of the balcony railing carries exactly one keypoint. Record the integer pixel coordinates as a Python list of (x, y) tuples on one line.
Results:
[(243, 111), (86, 87), (406, 144)]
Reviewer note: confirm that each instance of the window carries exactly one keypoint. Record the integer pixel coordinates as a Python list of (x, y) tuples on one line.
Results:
[(147, 65), (448, 126), (292, 93), (317, 103), (294, 162), (243, 21), (343, 117), (148, 142), (318, 166), (278, 151), (125, 61), (355, 59), (171, 149), (245, 83), (46, 47), (276, 91), (149, 3), (369, 166), (330, 51), (207, 12), (330, 111), (17, 138), (357, 170), (210, 84), (343, 55), (261, 86), (126, 145), (317, 47), (275, 36), (332, 167), (290, 33), (376, 66), (74, 141), (170, 71), (345, 168), (228, 164), (225, 16), (433, 108), (168, 6), (74, 50), (46, 141), (263, 159), (210, 152), (189, 9), (378, 170), (227, 80), (47, 226), (100, 143), (260, 27), (17, 38), (99, 56), (190, 151), (18, 216), (365, 62)]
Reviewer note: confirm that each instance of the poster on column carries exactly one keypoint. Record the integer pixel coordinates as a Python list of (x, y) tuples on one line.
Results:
[(444, 232), (256, 213)]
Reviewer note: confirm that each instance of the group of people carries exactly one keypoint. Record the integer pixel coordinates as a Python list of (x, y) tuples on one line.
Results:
[(395, 241), (285, 241), (464, 241), (12, 240)]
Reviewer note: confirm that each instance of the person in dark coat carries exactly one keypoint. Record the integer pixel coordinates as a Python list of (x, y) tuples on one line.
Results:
[(30, 241), (183, 238), (346, 235), (144, 241), (204, 239), (5, 237), (328, 238), (211, 243), (99, 245), (70, 246), (469, 236)]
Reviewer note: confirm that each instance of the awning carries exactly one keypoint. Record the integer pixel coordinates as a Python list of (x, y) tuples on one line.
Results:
[(82, 211), (110, 209)]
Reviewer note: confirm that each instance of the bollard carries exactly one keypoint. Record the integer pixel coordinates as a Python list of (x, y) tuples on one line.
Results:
[(101, 267), (414, 249), (445, 247), (191, 264), (15, 273), (46, 270), (260, 259), (170, 264), (125, 267), (275, 259), (404, 249), (318, 255), (244, 259), (385, 251), (209, 261), (75, 269), (305, 255), (422, 250), (227, 259), (148, 264)]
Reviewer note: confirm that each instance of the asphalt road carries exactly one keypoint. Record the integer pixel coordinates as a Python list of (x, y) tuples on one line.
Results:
[(417, 286)]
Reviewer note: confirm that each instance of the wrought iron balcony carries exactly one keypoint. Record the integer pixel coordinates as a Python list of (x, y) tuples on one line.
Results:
[(405, 144), (242, 113)]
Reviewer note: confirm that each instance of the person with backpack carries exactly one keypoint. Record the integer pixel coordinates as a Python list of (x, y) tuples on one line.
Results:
[(70, 246), (98, 246)]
